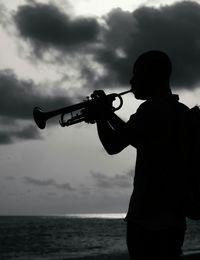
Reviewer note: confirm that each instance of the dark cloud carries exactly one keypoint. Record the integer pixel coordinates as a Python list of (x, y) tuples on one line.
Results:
[(28, 132), (174, 29), (9, 178), (107, 182), (5, 138), (17, 99), (114, 55), (49, 182), (10, 136), (48, 26)]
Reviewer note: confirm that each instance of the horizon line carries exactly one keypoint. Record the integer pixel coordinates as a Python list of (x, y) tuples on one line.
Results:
[(73, 215)]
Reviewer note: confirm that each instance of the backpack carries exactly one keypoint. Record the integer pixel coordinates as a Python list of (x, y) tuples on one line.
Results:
[(191, 202)]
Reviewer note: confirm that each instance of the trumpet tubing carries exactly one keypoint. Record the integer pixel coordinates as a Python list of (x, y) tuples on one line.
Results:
[(41, 117)]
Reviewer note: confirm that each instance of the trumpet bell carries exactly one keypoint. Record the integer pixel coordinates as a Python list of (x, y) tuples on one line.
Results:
[(39, 117)]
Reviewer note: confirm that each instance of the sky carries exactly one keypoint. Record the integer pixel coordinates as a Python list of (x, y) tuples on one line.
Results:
[(54, 54)]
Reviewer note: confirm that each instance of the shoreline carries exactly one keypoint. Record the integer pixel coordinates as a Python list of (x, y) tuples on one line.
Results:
[(124, 256), (192, 256)]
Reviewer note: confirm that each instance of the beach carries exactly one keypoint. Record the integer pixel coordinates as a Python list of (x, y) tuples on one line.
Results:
[(192, 257), (125, 257)]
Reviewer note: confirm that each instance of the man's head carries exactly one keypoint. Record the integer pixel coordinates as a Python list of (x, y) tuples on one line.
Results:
[(151, 73)]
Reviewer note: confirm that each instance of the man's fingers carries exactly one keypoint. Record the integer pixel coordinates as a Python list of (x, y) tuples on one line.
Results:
[(98, 94)]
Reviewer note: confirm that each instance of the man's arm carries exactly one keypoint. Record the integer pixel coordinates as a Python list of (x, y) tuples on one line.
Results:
[(112, 130), (112, 133)]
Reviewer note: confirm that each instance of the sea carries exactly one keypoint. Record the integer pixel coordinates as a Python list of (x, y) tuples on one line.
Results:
[(72, 237)]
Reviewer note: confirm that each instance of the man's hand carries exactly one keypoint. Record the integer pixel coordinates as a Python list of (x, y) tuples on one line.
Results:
[(99, 108), (98, 94)]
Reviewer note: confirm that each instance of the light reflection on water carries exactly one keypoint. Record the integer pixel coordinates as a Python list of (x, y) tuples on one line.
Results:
[(98, 215)]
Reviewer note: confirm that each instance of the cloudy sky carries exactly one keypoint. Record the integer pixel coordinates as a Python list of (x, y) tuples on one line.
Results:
[(55, 53)]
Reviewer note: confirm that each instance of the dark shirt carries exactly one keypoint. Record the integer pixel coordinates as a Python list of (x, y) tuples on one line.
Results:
[(155, 132)]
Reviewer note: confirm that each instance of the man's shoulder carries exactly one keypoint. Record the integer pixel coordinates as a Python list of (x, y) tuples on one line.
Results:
[(160, 109), (162, 103)]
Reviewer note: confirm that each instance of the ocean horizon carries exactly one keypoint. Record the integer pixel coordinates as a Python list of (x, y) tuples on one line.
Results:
[(81, 215)]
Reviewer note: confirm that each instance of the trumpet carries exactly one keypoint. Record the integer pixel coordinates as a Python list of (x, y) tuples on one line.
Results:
[(41, 117)]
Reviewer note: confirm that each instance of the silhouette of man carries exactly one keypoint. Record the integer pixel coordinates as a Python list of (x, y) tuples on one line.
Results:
[(155, 222)]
